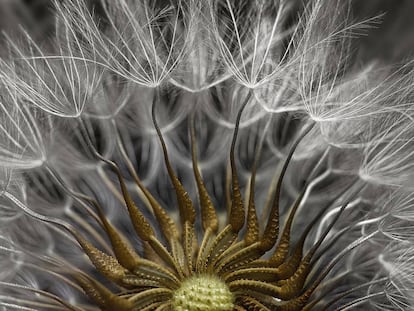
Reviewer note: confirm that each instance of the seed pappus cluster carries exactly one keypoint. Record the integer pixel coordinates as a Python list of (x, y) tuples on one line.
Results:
[(203, 155)]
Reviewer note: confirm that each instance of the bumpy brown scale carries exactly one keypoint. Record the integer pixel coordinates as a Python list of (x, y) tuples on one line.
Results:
[(239, 266)]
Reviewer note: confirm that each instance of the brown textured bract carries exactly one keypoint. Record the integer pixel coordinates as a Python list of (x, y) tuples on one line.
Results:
[(257, 266)]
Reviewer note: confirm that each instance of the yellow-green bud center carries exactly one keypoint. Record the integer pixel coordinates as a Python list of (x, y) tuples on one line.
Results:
[(203, 292)]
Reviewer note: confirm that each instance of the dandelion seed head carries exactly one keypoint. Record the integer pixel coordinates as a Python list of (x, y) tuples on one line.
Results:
[(187, 155)]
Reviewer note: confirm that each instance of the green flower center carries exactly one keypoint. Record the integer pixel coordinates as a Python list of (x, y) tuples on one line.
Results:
[(203, 292)]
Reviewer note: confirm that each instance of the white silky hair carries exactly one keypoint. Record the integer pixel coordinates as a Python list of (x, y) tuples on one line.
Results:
[(92, 89)]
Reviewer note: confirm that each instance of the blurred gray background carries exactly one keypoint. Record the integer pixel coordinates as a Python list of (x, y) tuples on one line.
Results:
[(393, 39)]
